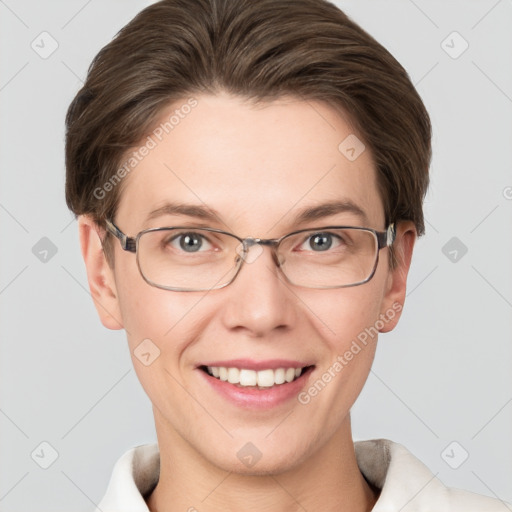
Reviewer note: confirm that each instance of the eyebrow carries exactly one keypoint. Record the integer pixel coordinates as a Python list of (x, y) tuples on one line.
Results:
[(328, 209), (189, 210), (313, 213)]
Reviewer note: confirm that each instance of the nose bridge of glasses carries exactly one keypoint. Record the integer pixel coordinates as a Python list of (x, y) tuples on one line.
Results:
[(249, 242)]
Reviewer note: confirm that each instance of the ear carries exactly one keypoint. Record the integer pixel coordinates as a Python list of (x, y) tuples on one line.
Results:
[(394, 296), (99, 274)]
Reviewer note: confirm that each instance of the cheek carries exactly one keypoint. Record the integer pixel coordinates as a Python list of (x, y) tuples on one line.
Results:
[(153, 314), (160, 325), (348, 320), (346, 317), (342, 314), (160, 315)]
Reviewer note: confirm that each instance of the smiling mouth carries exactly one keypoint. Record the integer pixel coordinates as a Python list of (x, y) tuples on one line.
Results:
[(262, 379)]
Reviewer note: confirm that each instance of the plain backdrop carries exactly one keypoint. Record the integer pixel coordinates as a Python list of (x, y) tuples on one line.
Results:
[(441, 383)]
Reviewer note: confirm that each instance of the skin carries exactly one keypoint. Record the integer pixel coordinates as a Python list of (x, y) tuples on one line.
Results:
[(257, 166)]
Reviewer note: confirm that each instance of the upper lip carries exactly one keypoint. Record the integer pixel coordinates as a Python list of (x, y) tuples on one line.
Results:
[(250, 364)]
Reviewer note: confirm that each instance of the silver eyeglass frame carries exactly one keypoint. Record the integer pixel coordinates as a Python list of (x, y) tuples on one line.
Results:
[(130, 244)]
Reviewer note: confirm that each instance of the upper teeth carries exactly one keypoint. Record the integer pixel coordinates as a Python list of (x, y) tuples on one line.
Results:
[(262, 378)]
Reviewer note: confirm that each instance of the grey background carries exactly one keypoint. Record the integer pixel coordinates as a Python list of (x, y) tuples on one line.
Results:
[(443, 375)]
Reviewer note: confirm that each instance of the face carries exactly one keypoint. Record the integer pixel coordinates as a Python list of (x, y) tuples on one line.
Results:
[(257, 168)]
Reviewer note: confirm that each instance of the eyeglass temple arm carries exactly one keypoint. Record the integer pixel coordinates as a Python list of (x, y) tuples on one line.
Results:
[(127, 243), (386, 238)]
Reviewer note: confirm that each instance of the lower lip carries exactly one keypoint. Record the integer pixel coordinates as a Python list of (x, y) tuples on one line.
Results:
[(258, 398)]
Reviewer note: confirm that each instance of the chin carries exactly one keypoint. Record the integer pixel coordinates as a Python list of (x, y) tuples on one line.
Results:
[(257, 459), (272, 466)]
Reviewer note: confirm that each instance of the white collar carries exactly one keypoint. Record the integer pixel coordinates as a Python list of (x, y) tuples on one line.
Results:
[(406, 484)]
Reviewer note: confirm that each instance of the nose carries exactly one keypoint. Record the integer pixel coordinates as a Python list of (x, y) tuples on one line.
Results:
[(259, 301)]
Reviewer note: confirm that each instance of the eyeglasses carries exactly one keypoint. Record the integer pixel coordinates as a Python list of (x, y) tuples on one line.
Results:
[(201, 259)]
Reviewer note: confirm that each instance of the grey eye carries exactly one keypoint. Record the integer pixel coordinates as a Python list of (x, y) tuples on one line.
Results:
[(321, 241), (190, 242)]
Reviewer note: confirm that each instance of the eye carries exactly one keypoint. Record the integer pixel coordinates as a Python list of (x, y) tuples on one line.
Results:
[(322, 241), (189, 242)]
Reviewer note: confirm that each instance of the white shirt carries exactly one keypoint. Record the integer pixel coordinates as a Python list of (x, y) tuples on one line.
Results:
[(405, 483)]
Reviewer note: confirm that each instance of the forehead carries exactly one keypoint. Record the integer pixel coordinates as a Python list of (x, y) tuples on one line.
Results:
[(257, 166)]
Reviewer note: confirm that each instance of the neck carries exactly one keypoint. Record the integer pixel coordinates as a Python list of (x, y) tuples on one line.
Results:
[(330, 480)]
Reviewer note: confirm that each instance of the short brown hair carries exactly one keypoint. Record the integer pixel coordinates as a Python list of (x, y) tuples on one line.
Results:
[(260, 50)]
